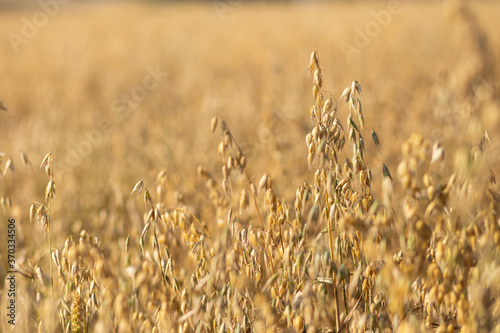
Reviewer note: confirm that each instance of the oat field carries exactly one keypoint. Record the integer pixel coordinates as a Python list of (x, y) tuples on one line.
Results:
[(238, 166)]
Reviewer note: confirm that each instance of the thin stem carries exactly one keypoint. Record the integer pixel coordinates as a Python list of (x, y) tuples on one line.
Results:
[(249, 182), (366, 306), (254, 198), (337, 310), (50, 249), (330, 240), (345, 296), (50, 261)]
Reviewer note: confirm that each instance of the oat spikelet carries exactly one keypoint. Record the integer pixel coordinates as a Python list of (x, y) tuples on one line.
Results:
[(9, 166), (313, 62), (138, 187), (264, 182), (213, 124), (47, 160)]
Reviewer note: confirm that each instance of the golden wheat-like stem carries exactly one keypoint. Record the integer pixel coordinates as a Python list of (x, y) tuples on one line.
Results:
[(249, 181), (77, 314)]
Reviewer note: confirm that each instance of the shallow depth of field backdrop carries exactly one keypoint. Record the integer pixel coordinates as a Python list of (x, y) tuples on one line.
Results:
[(121, 92)]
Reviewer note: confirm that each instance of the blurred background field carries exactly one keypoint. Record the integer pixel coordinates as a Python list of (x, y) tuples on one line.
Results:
[(69, 90), (248, 68)]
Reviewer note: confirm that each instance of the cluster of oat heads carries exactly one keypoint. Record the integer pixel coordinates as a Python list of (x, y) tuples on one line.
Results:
[(41, 211), (82, 268), (342, 200), (332, 258), (74, 296), (233, 160), (9, 164), (440, 246)]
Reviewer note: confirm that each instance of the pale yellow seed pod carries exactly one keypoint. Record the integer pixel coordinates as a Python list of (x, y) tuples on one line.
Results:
[(225, 172), (308, 139), (427, 180), (222, 148), (226, 186), (310, 159), (496, 237), (356, 166), (264, 182), (328, 105), (405, 181), (48, 170), (355, 86), (243, 162), (313, 62), (320, 101), (315, 133), (406, 149), (213, 124), (244, 200), (318, 78), (315, 91), (403, 169), (39, 273), (430, 192), (312, 112), (346, 94)]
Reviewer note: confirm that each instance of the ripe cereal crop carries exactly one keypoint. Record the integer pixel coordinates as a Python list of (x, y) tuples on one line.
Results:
[(166, 177)]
